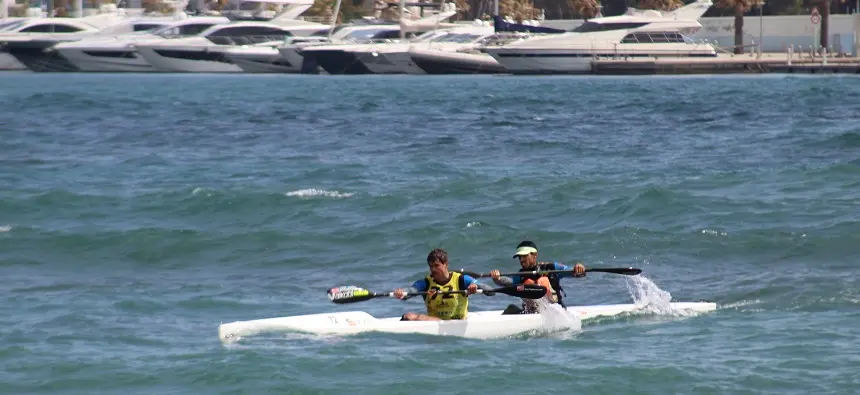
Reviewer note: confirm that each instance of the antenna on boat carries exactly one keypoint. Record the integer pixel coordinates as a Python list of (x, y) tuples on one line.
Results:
[(334, 19), (402, 18), (438, 20)]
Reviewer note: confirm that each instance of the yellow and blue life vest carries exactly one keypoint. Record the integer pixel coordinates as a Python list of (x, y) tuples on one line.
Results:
[(450, 306)]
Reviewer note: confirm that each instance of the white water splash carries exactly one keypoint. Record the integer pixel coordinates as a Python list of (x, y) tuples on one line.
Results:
[(201, 191), (742, 303), (276, 340), (649, 297), (714, 232), (5, 228), (555, 318), (474, 224), (313, 192)]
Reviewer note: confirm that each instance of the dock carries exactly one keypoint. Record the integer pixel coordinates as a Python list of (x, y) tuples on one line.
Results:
[(817, 68), (728, 64)]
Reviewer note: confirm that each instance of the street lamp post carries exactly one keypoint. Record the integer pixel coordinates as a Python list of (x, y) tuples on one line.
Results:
[(760, 26)]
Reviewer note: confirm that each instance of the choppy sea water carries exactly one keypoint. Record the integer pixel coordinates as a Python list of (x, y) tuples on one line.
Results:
[(137, 212)]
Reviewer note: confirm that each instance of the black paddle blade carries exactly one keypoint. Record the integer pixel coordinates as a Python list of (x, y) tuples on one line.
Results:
[(525, 291), (349, 294), (627, 271)]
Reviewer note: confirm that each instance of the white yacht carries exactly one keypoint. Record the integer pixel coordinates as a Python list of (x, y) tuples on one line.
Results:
[(31, 42), (267, 58), (18, 39), (465, 57), (462, 57), (353, 53), (207, 52), (638, 33), (349, 43), (357, 31), (7, 61), (334, 57), (394, 58), (117, 53), (290, 52)]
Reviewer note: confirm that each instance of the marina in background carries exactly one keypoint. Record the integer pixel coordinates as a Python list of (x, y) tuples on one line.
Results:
[(302, 45)]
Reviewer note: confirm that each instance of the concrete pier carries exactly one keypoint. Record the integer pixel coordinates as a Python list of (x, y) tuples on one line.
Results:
[(817, 68), (728, 64)]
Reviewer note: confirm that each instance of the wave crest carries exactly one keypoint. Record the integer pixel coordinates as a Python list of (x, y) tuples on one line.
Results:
[(313, 192)]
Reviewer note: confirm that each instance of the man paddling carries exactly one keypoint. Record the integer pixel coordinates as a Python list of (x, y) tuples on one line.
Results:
[(447, 306), (527, 253)]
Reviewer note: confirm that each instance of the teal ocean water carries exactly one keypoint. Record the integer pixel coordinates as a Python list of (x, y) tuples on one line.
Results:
[(138, 212)]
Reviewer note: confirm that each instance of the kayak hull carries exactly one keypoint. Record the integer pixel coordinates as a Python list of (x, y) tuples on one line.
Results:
[(477, 325)]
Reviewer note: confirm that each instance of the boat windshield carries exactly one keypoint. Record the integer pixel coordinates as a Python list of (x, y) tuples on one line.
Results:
[(322, 33), (8, 26), (148, 27), (500, 39), (589, 27), (361, 34), (184, 30), (432, 35), (459, 38), (373, 33), (656, 38)]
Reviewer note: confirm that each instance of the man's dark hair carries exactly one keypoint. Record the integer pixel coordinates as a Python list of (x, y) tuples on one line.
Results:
[(526, 243), (437, 254)]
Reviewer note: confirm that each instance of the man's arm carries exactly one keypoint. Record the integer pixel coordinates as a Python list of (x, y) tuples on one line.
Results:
[(418, 286), (508, 280), (466, 281), (568, 270)]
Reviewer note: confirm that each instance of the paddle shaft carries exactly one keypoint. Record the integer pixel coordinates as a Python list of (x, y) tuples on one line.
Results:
[(391, 294), (530, 291), (625, 271), (507, 290), (462, 291)]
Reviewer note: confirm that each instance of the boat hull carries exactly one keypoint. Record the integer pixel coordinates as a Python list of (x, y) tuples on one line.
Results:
[(106, 60), (478, 325), (38, 56), (261, 60), (442, 62), (390, 63), (188, 59), (8, 62), (336, 61)]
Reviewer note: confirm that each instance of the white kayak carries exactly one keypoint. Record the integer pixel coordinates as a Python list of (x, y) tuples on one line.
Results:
[(477, 325)]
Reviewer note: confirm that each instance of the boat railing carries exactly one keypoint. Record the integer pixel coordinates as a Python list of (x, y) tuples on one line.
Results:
[(247, 40), (312, 42), (754, 43), (306, 39), (367, 41), (504, 38), (175, 35)]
